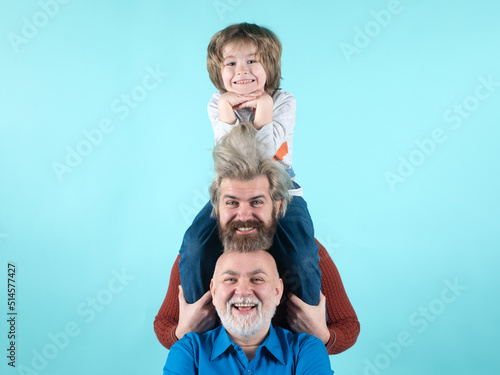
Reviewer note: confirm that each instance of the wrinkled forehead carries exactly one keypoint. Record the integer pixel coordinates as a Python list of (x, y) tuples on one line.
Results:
[(245, 188), (250, 263)]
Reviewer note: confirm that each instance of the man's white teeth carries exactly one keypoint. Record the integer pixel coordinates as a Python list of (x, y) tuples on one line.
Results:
[(244, 304), (244, 229)]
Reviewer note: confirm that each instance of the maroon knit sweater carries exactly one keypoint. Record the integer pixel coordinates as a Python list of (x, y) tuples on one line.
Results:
[(342, 320)]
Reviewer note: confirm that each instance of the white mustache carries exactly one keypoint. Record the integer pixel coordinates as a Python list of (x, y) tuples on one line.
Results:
[(247, 300)]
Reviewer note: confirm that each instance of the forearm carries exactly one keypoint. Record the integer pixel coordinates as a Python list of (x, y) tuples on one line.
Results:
[(341, 318), (263, 112), (343, 335), (226, 112), (273, 134), (167, 319)]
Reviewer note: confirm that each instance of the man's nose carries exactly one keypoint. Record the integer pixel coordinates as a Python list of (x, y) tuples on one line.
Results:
[(244, 212), (244, 288)]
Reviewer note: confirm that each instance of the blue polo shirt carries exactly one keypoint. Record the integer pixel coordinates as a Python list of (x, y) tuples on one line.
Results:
[(214, 352)]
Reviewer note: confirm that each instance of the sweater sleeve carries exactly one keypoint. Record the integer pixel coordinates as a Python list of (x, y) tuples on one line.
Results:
[(342, 320), (167, 318), (273, 135), (219, 127)]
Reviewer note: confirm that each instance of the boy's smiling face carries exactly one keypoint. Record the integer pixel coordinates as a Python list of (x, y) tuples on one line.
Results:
[(242, 72)]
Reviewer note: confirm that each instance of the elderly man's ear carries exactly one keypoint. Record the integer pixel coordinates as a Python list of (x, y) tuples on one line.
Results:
[(212, 289), (279, 291)]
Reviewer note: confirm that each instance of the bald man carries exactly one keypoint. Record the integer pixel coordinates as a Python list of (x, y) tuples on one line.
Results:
[(246, 289)]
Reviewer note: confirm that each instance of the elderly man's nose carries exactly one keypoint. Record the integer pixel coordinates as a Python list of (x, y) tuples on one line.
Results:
[(243, 288)]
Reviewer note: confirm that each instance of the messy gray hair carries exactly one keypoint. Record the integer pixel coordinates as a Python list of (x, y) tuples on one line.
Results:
[(237, 157)]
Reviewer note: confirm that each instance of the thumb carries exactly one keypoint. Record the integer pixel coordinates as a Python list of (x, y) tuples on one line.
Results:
[(322, 299), (181, 295), (206, 298)]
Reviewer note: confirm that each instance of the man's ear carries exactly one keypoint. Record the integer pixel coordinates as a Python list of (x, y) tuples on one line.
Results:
[(278, 205), (212, 290), (279, 291)]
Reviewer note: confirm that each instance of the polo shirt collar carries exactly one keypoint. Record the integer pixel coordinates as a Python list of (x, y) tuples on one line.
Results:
[(271, 343)]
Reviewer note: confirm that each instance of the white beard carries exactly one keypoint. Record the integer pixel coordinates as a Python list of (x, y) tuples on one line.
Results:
[(248, 325)]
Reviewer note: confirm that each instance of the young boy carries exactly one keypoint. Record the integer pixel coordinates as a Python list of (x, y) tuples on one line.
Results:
[(244, 63)]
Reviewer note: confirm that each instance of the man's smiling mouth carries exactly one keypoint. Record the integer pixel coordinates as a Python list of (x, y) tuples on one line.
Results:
[(244, 306), (245, 229)]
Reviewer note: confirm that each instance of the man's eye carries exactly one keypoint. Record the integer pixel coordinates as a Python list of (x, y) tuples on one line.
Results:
[(231, 203), (258, 280), (230, 280), (257, 203)]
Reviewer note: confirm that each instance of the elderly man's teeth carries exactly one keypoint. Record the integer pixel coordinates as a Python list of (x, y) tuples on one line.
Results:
[(244, 304)]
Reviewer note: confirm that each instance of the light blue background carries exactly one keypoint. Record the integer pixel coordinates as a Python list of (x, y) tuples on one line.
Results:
[(125, 205)]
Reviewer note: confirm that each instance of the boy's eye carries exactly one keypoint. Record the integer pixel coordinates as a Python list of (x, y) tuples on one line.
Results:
[(252, 61), (230, 64)]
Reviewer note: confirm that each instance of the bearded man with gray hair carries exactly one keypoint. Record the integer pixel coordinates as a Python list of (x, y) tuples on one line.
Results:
[(248, 195)]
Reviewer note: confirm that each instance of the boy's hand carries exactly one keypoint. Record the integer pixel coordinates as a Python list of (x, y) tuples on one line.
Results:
[(230, 101), (195, 317), (254, 103), (304, 318), (263, 109), (235, 100)]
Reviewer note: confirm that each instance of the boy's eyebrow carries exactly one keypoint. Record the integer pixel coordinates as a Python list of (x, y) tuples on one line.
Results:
[(247, 55)]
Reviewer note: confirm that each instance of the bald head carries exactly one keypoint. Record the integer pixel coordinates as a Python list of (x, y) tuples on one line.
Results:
[(237, 262), (246, 289)]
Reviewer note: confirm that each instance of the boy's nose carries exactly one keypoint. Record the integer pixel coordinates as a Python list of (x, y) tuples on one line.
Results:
[(241, 69)]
